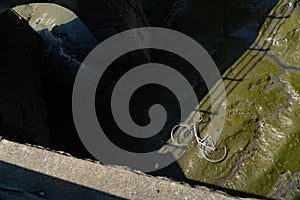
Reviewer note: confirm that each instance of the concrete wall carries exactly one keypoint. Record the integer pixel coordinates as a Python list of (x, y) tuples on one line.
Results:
[(50, 175)]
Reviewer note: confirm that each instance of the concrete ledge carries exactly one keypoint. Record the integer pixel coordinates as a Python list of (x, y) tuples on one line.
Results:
[(58, 176)]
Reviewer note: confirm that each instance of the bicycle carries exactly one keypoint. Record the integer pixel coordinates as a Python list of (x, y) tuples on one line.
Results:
[(206, 144)]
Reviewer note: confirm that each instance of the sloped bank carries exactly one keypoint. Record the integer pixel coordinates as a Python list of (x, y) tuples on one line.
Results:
[(262, 123)]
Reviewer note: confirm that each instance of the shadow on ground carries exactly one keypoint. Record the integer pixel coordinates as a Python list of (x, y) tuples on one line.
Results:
[(17, 182), (225, 28)]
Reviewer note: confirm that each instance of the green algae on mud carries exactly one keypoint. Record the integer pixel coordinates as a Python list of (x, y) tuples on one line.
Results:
[(262, 126)]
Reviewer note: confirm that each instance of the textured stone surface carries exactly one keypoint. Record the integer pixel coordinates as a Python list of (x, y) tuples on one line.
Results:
[(58, 176), (22, 108)]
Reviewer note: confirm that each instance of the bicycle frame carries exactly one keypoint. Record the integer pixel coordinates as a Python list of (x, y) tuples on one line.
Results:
[(205, 149)]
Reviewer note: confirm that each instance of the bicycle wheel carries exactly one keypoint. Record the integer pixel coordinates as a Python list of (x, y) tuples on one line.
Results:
[(182, 135), (214, 156)]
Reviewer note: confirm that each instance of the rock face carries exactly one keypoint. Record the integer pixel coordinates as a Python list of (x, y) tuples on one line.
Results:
[(22, 108), (225, 28), (65, 43), (103, 18)]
